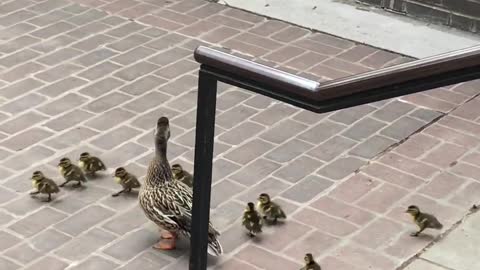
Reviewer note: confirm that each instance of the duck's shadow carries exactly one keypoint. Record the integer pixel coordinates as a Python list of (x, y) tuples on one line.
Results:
[(183, 249)]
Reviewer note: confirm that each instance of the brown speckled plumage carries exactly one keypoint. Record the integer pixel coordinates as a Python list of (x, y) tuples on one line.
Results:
[(166, 202)]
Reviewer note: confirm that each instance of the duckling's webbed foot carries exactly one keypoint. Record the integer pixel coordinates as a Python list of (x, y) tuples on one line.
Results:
[(63, 184), (118, 193), (414, 234), (34, 192), (79, 184)]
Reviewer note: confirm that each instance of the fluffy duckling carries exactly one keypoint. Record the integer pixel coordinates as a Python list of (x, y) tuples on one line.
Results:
[(310, 263), (90, 164), (251, 220), (423, 220), (127, 180), (71, 172), (268, 209), (43, 185), (181, 175)]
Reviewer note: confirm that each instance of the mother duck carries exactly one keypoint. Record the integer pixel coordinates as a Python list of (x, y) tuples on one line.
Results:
[(166, 202)]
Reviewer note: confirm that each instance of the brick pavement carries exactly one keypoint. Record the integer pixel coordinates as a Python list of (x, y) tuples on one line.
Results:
[(91, 75)]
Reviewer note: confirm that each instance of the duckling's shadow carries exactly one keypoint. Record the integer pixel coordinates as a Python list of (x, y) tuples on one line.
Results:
[(257, 239), (128, 195), (55, 201), (94, 176), (42, 198), (279, 223), (425, 237), (72, 187)]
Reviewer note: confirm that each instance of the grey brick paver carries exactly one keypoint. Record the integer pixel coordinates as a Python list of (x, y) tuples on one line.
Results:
[(82, 75), (48, 262), (36, 222), (95, 262), (85, 244), (83, 220)]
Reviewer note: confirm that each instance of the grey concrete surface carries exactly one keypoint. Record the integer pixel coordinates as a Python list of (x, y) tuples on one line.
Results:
[(460, 249), (365, 25)]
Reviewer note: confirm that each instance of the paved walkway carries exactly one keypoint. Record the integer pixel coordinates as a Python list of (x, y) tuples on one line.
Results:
[(94, 76)]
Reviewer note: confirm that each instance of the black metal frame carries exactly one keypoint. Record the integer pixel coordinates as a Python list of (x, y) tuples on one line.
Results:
[(420, 75)]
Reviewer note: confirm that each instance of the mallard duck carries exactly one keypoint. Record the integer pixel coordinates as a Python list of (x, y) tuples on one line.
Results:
[(180, 174), (269, 210), (127, 180), (423, 220), (166, 202), (252, 220), (71, 172), (310, 263), (90, 164), (43, 185)]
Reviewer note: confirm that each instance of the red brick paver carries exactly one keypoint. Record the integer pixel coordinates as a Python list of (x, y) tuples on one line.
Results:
[(92, 75)]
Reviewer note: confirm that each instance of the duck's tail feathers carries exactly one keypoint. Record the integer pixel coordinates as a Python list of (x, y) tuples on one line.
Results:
[(215, 248)]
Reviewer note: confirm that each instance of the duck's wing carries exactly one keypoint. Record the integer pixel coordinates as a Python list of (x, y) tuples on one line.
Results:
[(169, 206), (173, 205)]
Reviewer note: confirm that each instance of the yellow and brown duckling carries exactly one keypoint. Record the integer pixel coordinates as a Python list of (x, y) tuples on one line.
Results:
[(71, 172), (252, 220), (90, 164), (181, 175), (310, 263), (423, 220), (43, 185), (269, 210), (166, 202), (127, 180)]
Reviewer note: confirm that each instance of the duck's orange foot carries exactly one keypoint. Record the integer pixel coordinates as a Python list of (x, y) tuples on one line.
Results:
[(165, 244), (168, 235)]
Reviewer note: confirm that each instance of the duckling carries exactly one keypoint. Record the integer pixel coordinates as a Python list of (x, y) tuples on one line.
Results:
[(268, 209), (423, 220), (251, 220), (90, 164), (71, 172), (168, 203), (310, 263), (43, 185), (180, 174), (126, 179)]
